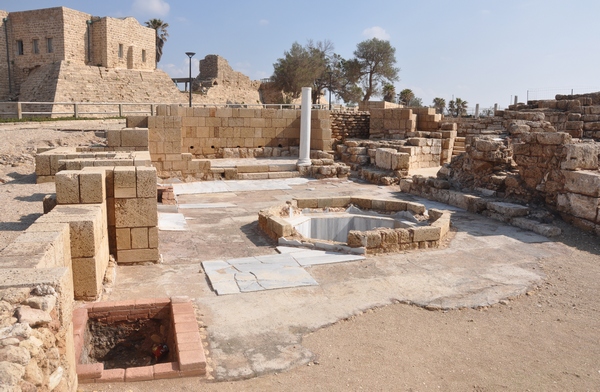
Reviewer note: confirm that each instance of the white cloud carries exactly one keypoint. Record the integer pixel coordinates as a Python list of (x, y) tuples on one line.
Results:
[(376, 32), (155, 8), (263, 22)]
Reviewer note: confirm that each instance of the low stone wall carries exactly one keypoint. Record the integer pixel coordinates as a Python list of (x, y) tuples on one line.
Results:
[(511, 213), (349, 125), (374, 241), (181, 138)]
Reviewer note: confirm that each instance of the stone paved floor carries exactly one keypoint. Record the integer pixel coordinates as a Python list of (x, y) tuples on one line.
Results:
[(253, 333)]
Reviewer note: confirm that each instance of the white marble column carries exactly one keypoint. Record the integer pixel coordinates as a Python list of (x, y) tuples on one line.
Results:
[(304, 158)]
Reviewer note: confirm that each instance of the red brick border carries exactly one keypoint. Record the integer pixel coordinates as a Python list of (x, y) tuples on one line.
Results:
[(189, 352)]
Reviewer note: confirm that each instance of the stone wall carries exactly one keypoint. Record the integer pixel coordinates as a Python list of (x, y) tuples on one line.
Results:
[(134, 39), (71, 37), (180, 138), (349, 125), (380, 240), (69, 82), (219, 83), (4, 78)]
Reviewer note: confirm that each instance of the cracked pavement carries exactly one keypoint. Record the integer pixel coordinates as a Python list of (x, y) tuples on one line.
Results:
[(260, 332)]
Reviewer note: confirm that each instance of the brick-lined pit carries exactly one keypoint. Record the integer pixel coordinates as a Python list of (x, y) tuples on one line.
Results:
[(187, 351), (378, 240)]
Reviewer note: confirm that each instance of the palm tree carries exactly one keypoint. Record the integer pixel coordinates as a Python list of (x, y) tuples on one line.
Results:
[(406, 96), (389, 92), (457, 107), (439, 104), (161, 35)]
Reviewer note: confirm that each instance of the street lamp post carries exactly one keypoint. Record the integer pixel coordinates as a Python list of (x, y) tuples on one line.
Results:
[(190, 55), (330, 72)]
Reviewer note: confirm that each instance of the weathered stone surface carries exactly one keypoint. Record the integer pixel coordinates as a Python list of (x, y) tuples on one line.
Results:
[(15, 354), (45, 303), (582, 182), (11, 373), (578, 205), (508, 209), (580, 156), (33, 317)]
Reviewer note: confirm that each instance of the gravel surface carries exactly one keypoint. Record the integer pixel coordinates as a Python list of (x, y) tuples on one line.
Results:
[(547, 340)]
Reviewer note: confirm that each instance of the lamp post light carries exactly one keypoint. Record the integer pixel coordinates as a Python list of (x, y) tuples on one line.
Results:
[(190, 55), (330, 72)]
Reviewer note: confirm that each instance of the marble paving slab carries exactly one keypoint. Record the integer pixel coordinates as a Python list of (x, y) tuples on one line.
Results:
[(171, 222), (199, 206), (190, 188), (269, 272)]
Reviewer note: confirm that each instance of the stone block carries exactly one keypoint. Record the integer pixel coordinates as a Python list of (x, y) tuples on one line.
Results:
[(139, 212), (67, 187), (146, 182), (134, 137), (125, 182), (153, 237), (139, 238), (508, 209), (415, 208), (137, 256), (92, 186), (123, 238), (383, 158), (42, 165), (582, 182), (580, 156), (400, 160), (425, 233), (580, 206), (362, 202), (113, 137), (307, 202)]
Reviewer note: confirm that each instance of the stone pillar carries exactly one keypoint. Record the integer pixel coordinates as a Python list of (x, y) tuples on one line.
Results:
[(516, 99), (495, 109), (477, 111), (304, 158)]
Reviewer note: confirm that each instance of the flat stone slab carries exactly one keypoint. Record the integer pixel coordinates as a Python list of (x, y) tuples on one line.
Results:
[(508, 209), (269, 272), (201, 206), (171, 221), (190, 188)]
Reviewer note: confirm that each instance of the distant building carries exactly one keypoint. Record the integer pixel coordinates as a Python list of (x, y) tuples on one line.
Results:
[(39, 47)]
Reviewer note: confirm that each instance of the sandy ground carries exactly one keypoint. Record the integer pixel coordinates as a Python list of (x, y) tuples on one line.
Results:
[(548, 340)]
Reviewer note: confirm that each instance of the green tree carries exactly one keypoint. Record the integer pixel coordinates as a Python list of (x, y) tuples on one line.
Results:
[(304, 66), (406, 96), (375, 61), (457, 107), (160, 28), (415, 102), (439, 104), (389, 92)]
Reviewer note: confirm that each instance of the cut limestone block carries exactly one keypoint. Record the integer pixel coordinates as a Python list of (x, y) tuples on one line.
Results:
[(92, 187), (125, 182), (67, 187), (508, 209), (136, 212), (146, 182)]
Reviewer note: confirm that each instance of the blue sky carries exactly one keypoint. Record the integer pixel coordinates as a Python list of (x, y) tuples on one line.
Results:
[(482, 51)]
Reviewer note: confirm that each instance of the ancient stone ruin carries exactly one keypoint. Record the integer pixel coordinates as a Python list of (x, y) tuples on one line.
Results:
[(527, 166)]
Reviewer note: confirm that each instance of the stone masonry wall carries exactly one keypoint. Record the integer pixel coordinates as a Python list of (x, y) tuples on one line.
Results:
[(178, 135), (68, 82), (4, 84), (70, 34), (349, 125)]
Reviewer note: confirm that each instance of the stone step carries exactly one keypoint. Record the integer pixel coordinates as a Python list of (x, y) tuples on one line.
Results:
[(268, 175)]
